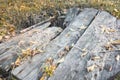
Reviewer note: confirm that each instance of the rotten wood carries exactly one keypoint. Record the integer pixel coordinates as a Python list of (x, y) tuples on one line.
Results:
[(38, 38), (68, 37), (75, 66)]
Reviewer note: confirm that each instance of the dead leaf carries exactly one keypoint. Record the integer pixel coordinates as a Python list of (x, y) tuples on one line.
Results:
[(110, 69), (108, 46), (62, 53), (91, 68), (106, 30), (49, 60), (116, 10), (43, 76), (67, 35), (115, 42), (65, 11), (117, 57), (67, 48), (95, 58), (6, 37), (1, 79), (13, 34), (26, 52), (61, 60), (83, 27), (41, 51), (83, 54), (1, 37), (32, 42), (21, 42), (84, 50), (111, 30), (17, 62)]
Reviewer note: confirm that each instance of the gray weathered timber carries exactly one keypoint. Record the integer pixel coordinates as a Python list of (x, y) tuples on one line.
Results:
[(118, 24), (15, 40), (70, 35), (93, 40), (37, 25), (71, 14), (39, 38)]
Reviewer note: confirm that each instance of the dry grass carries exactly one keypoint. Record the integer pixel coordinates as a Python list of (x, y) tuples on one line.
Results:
[(20, 13)]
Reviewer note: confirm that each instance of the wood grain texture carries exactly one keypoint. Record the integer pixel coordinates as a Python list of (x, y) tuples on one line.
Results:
[(85, 45), (36, 38), (68, 37), (93, 40)]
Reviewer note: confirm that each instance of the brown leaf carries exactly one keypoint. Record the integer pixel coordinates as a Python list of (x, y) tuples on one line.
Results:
[(17, 62), (117, 57), (108, 46), (41, 51), (26, 52), (91, 68), (67, 48), (95, 58), (33, 42), (110, 69), (115, 42), (84, 54), (1, 37), (61, 60), (43, 76), (83, 27), (67, 35), (106, 30), (116, 10), (6, 37)]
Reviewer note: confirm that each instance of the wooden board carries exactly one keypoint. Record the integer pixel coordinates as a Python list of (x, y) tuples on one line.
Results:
[(15, 40), (34, 39), (30, 70), (91, 44), (85, 50)]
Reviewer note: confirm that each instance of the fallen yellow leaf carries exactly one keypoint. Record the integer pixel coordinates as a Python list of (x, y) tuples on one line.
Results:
[(60, 61), (6, 37), (115, 42), (116, 10), (17, 62), (95, 58), (106, 30), (83, 54), (1, 37), (117, 57), (67, 48), (91, 68), (83, 27), (108, 46)]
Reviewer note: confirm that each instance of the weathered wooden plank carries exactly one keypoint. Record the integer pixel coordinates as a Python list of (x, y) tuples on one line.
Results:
[(15, 40), (37, 25), (70, 35), (39, 38), (118, 24), (71, 14), (91, 44)]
